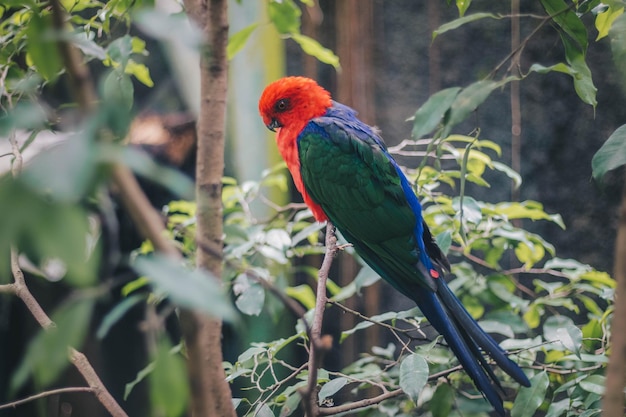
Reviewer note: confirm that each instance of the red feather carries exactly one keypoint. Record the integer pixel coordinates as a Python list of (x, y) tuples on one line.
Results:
[(305, 100)]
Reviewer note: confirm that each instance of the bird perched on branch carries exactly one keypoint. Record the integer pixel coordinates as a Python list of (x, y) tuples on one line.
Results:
[(345, 174)]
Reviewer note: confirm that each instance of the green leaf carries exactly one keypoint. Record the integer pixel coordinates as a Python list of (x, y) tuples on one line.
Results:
[(169, 385), (47, 354), (331, 387), (440, 404), (174, 28), (617, 34), (42, 46), (262, 410), (141, 375), (66, 171), (530, 398), (413, 375), (571, 337), (431, 113), (562, 329), (461, 21), (303, 293), (120, 50), (140, 72), (604, 21), (285, 15), (142, 164), (117, 313), (250, 295), (594, 384), (558, 408), (583, 83), (469, 99), (291, 404), (117, 90), (193, 289), (462, 6), (313, 48), (567, 19), (611, 155), (239, 39)]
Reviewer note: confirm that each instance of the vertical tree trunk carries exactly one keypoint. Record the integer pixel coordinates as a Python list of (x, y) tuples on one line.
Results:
[(613, 401), (211, 396)]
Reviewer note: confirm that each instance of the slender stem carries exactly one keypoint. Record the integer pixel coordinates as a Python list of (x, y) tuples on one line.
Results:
[(44, 394), (317, 345)]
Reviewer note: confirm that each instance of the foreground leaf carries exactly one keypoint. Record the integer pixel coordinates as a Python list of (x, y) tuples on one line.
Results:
[(413, 376), (611, 155), (193, 289), (530, 398)]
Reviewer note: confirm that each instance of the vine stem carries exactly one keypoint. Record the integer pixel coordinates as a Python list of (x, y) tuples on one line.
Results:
[(317, 345)]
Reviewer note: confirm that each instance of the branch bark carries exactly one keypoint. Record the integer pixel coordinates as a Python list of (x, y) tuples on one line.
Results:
[(317, 347), (613, 401), (211, 394)]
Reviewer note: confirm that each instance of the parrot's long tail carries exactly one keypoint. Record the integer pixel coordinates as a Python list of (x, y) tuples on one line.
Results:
[(468, 341)]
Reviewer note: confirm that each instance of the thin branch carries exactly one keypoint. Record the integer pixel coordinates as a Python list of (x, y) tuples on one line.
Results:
[(22, 291), (44, 394), (317, 347), (329, 411)]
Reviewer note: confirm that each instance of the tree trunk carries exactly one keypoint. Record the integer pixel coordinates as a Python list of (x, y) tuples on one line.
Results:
[(613, 401), (211, 396)]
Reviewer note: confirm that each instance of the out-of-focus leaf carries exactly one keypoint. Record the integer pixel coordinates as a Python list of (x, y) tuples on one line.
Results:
[(174, 28), (24, 115), (250, 295), (462, 6), (530, 398), (169, 385), (611, 155), (304, 294), (141, 163), (117, 313), (441, 403), (285, 15), (118, 89), (65, 171), (469, 99), (330, 388), (413, 375), (47, 354), (461, 21), (239, 39), (604, 21), (140, 72), (617, 34), (315, 49), (42, 46), (193, 289), (431, 113), (291, 405)]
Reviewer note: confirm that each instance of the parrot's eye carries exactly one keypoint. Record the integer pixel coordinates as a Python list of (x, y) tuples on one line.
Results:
[(281, 105)]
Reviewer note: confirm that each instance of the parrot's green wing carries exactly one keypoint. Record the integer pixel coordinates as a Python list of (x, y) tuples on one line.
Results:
[(347, 171)]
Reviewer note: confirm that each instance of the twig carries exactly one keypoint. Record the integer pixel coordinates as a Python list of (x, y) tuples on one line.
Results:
[(327, 411), (44, 394), (316, 349)]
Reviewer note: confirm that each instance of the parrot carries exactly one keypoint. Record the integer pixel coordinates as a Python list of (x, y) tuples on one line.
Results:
[(345, 174)]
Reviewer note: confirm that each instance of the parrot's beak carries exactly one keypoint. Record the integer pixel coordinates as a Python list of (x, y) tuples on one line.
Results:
[(274, 124)]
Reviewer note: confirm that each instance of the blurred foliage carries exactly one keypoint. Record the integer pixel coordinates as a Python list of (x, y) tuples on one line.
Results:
[(551, 313)]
